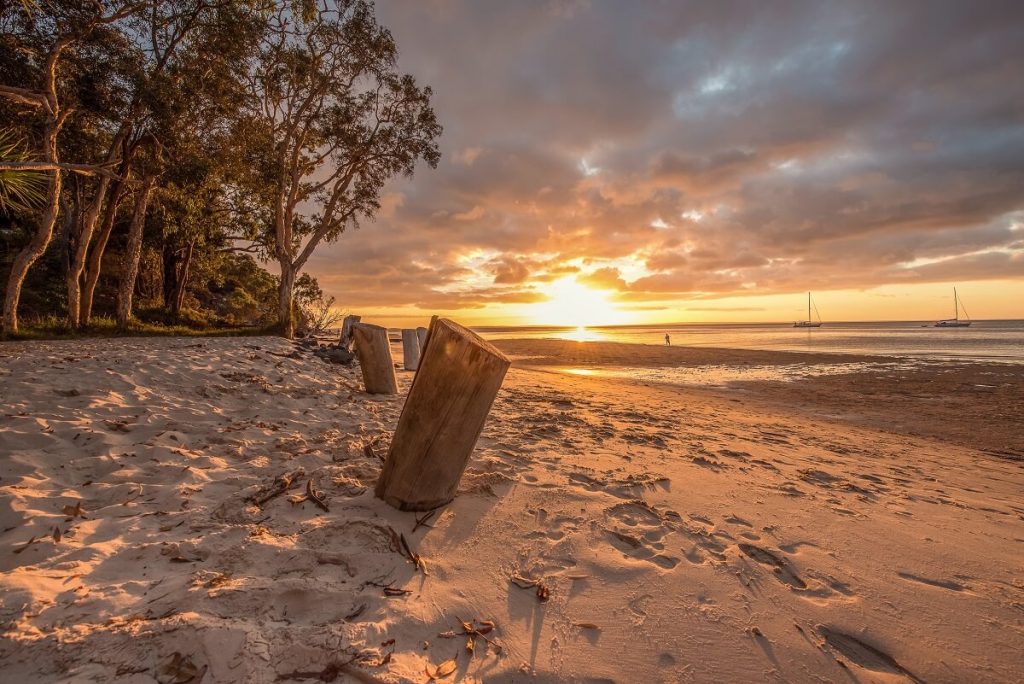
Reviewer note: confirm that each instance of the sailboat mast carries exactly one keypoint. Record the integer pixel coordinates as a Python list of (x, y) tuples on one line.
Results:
[(808, 306), (956, 306)]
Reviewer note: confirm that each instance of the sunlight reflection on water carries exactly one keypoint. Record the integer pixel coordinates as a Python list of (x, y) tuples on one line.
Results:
[(723, 374), (581, 334)]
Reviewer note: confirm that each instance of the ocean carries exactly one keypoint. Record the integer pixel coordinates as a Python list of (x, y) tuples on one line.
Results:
[(1001, 341)]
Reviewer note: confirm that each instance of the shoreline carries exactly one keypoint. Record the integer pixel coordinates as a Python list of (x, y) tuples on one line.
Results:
[(690, 533)]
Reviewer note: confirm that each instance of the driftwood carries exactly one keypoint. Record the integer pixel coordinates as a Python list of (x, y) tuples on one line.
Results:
[(345, 341), (281, 484), (410, 349), (458, 378), (374, 350)]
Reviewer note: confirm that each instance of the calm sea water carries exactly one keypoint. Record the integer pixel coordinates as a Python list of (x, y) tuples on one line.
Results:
[(984, 340)]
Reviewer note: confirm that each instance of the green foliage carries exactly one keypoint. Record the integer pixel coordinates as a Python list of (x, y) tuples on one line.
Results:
[(228, 103), (19, 190)]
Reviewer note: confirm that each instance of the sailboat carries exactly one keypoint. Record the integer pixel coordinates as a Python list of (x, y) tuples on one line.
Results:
[(809, 323), (955, 321)]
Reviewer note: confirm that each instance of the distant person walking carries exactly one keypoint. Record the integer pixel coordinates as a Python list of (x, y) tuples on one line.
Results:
[(668, 340)]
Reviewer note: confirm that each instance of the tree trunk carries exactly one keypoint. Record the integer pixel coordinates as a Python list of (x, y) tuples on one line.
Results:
[(86, 230), (410, 350), (30, 253), (285, 297), (44, 231), (169, 259), (375, 360), (459, 376), (92, 271), (130, 261), (86, 227), (181, 276)]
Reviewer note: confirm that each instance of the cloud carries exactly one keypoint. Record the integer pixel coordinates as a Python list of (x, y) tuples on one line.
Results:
[(790, 146)]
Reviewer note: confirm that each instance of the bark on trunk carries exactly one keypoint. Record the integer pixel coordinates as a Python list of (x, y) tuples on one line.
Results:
[(285, 296), (130, 261), (459, 376), (92, 271), (178, 296), (44, 232), (78, 255), (169, 254)]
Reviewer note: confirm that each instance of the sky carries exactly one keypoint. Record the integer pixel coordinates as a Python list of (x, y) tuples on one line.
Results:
[(644, 162)]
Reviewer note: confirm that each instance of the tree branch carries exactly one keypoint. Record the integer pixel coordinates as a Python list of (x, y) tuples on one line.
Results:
[(81, 169)]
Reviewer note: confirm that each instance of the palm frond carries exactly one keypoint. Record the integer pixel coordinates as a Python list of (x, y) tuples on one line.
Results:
[(19, 190)]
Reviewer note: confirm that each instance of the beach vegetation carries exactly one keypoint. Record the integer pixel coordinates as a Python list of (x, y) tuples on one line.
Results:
[(155, 155)]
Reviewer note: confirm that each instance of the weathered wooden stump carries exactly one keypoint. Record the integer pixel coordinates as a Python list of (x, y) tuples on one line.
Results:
[(459, 376), (410, 349), (421, 333), (374, 350), (345, 341)]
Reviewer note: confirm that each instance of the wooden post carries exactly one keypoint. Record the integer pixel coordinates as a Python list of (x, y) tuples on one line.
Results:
[(374, 350), (345, 341), (421, 333), (410, 350), (459, 376)]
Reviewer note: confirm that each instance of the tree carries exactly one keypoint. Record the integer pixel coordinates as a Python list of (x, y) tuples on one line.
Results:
[(193, 51), (328, 122), (43, 41)]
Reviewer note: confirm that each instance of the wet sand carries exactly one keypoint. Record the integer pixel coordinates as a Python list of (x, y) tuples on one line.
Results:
[(801, 530)]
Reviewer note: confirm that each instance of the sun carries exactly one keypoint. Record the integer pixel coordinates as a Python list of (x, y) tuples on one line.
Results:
[(573, 305)]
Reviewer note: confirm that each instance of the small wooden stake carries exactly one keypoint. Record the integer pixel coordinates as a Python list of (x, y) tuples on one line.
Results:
[(410, 349), (374, 350), (459, 376), (345, 341), (421, 333)]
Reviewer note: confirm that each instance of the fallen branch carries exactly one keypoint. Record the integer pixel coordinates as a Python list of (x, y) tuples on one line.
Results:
[(422, 520), (282, 483), (316, 497)]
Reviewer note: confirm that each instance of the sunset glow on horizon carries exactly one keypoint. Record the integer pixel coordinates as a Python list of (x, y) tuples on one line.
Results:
[(699, 165)]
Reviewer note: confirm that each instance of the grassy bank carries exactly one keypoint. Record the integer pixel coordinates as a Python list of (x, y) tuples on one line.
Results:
[(56, 328)]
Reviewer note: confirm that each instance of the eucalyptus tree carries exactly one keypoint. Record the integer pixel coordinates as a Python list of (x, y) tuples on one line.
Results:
[(328, 121), (193, 52), (40, 37)]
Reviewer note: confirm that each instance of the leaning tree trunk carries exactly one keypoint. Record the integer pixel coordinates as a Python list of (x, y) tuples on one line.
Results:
[(133, 252), (78, 255), (85, 233), (40, 239), (92, 271), (29, 254)]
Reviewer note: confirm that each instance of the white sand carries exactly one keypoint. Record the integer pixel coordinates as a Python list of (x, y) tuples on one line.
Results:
[(683, 536)]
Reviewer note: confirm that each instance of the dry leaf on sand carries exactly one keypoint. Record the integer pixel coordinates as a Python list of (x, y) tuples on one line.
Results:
[(443, 670)]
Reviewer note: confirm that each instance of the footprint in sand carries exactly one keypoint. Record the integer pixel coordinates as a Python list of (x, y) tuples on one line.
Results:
[(940, 583), (864, 654), (637, 530), (778, 566), (706, 542), (556, 528)]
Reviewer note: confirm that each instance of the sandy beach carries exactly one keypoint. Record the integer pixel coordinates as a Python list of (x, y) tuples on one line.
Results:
[(827, 518)]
